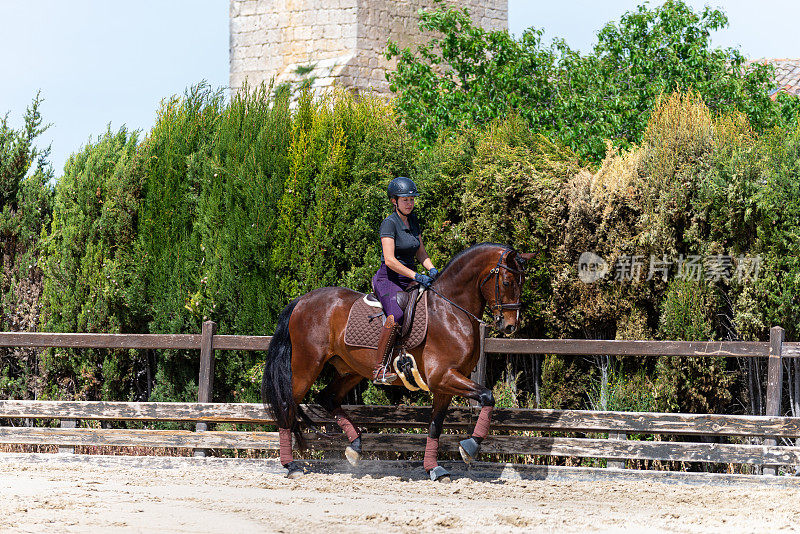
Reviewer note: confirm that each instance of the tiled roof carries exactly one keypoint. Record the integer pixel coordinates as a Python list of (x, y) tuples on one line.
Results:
[(787, 75)]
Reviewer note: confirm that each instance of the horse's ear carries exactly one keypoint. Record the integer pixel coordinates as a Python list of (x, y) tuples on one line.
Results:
[(523, 259), (511, 259)]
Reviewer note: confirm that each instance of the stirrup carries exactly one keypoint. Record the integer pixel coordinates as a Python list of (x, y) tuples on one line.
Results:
[(382, 377)]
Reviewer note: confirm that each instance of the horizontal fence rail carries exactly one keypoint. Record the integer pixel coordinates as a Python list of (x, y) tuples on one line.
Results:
[(458, 417), (565, 347), (130, 341), (139, 438), (577, 347), (583, 448), (100, 341), (377, 442)]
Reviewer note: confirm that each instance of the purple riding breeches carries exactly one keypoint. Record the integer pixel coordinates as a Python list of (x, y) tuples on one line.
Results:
[(387, 284)]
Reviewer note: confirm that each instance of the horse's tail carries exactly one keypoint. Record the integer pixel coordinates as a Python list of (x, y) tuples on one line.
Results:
[(276, 383)]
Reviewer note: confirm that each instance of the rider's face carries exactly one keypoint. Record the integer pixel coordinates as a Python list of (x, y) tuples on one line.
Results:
[(405, 205)]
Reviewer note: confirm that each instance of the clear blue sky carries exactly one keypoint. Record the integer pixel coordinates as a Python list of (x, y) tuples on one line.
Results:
[(760, 28), (101, 62), (111, 62)]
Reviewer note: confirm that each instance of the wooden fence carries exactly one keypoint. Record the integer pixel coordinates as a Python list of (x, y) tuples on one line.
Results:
[(519, 431)]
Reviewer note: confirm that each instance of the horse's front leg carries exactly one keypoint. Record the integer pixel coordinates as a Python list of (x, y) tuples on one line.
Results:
[(457, 384), (429, 462)]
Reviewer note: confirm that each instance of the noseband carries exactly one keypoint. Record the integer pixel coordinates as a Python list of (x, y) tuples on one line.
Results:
[(498, 306)]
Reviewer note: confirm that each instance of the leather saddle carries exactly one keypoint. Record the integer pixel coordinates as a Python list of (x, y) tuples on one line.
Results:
[(367, 317), (407, 300)]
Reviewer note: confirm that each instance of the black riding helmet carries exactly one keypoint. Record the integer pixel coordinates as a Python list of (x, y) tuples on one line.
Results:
[(402, 187)]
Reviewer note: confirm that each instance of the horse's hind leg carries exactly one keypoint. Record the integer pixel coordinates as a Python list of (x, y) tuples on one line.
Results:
[(289, 371), (331, 398)]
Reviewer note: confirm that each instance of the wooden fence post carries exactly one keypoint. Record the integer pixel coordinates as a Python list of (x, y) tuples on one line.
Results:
[(774, 384), (205, 382), (67, 423), (616, 464)]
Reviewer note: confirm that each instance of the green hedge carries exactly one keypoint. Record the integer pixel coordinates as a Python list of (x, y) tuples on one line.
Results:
[(26, 199)]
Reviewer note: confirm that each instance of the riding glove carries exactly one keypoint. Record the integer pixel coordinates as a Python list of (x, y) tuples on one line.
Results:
[(423, 279), (433, 273)]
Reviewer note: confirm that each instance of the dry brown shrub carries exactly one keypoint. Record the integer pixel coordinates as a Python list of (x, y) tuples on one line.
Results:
[(618, 177), (733, 131), (680, 131)]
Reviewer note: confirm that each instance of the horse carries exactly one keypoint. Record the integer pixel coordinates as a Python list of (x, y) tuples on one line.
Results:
[(310, 334)]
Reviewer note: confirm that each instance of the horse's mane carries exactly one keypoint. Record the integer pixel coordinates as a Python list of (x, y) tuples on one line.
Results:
[(469, 250)]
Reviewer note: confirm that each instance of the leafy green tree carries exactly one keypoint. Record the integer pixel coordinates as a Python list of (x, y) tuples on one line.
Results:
[(468, 76), (649, 53), (169, 245), (774, 217)]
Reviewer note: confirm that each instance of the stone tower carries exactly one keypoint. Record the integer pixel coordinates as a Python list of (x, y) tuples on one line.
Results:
[(331, 41)]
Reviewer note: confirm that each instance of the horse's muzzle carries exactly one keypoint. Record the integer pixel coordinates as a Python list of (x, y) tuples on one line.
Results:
[(504, 325)]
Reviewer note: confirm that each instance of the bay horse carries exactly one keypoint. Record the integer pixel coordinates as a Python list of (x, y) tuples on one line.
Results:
[(310, 333)]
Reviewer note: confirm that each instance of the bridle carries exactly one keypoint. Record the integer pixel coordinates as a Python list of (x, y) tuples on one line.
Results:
[(498, 306)]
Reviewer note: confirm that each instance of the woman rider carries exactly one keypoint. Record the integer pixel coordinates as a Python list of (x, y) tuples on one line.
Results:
[(402, 247)]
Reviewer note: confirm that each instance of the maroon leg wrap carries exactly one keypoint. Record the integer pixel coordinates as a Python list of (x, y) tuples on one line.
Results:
[(285, 437), (484, 420), (345, 424), (431, 451)]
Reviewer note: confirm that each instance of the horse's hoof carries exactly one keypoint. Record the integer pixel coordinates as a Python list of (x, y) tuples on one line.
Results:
[(353, 451), (352, 455), (439, 474), (469, 450), (295, 471)]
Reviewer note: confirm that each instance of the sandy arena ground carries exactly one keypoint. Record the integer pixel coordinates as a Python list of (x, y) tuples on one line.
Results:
[(40, 493)]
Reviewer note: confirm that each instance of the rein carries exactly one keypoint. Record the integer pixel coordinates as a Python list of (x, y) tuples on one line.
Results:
[(500, 306), (481, 321)]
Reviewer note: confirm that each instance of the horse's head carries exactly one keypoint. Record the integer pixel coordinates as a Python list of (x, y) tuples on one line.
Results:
[(502, 288)]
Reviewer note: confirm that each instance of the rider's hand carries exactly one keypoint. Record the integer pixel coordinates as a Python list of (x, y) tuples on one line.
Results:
[(423, 279), (433, 272)]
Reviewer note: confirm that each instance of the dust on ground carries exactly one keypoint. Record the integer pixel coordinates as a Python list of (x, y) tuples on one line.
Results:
[(125, 496)]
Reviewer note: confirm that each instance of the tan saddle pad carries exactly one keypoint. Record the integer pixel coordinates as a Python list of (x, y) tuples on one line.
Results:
[(365, 322)]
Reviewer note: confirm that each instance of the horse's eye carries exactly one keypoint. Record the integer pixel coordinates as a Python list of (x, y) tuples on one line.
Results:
[(505, 283)]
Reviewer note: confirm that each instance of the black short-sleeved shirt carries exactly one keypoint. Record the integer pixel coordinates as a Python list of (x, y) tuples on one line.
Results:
[(406, 239)]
